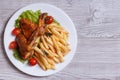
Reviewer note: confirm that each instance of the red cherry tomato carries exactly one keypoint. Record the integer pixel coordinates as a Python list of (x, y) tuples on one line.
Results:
[(49, 19), (32, 61), (16, 31), (13, 45)]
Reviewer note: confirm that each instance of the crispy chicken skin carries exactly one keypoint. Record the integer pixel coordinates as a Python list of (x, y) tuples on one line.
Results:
[(27, 27)]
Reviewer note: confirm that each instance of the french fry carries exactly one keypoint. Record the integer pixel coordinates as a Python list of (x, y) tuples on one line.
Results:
[(55, 26), (53, 53), (56, 38), (64, 48), (59, 29), (45, 62), (37, 41), (50, 61), (51, 48), (64, 54), (44, 42), (56, 60), (48, 39), (56, 33), (38, 50), (61, 40), (58, 50), (40, 63), (43, 48)]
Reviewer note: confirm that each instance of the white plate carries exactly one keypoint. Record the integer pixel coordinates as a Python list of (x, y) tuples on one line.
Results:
[(61, 17)]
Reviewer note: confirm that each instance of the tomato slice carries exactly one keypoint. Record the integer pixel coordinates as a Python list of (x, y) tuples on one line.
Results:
[(16, 31), (49, 19), (13, 45), (32, 61)]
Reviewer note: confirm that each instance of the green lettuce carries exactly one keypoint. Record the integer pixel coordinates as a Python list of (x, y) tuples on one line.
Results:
[(29, 14)]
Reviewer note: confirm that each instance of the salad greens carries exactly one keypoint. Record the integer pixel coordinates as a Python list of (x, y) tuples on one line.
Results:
[(29, 14), (17, 56)]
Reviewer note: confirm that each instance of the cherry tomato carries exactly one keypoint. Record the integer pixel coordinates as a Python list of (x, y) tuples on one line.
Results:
[(49, 19), (16, 31), (13, 45), (32, 61)]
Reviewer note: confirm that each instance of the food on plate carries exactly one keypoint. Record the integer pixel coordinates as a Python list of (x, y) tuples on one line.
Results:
[(40, 39), (16, 31), (49, 19), (32, 61), (13, 45)]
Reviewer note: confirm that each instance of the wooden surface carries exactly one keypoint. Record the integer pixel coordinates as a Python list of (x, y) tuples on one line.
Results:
[(98, 30)]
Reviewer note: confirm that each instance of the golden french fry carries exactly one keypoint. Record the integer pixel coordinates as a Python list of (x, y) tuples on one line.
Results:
[(62, 47), (45, 50), (60, 40), (48, 39), (40, 63), (38, 50), (55, 26), (45, 62), (56, 33), (50, 61), (56, 38), (53, 53), (51, 48), (44, 42), (58, 50), (56, 60), (61, 30), (64, 54)]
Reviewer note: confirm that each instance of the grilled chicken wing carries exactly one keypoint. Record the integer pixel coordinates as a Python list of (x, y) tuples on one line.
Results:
[(31, 32), (24, 49), (27, 27), (42, 20), (40, 30)]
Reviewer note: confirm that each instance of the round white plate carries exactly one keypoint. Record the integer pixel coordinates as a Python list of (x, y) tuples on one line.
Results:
[(61, 17)]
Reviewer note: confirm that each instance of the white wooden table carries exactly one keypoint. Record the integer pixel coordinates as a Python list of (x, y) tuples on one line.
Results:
[(98, 29)]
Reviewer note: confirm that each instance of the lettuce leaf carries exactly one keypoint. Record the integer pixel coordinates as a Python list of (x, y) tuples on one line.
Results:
[(17, 56), (29, 14)]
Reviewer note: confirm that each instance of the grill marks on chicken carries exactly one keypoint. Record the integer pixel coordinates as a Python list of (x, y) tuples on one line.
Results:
[(31, 32)]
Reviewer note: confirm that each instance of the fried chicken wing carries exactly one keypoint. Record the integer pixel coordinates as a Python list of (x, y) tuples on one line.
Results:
[(40, 30), (31, 32), (24, 49), (27, 27)]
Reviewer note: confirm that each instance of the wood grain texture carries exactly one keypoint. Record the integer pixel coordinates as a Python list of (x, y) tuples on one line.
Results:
[(98, 29)]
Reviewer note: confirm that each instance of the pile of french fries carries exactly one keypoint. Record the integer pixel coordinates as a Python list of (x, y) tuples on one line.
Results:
[(51, 49)]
